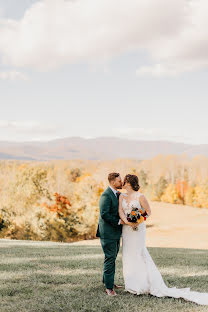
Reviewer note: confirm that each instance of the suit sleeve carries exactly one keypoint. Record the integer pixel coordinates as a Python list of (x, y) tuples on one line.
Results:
[(105, 204)]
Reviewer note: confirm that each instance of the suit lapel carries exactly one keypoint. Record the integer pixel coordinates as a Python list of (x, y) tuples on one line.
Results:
[(112, 194)]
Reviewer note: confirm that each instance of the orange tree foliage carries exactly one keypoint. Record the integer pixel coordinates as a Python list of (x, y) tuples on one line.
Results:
[(181, 187), (58, 220), (61, 206)]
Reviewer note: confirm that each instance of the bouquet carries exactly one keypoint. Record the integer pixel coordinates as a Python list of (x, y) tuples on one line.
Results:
[(137, 215)]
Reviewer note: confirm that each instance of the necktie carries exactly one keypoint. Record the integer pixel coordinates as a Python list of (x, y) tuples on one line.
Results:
[(117, 194)]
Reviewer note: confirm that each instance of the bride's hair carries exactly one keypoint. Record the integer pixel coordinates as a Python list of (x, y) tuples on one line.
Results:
[(133, 181)]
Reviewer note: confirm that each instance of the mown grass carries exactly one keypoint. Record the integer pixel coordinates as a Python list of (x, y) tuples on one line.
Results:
[(53, 277)]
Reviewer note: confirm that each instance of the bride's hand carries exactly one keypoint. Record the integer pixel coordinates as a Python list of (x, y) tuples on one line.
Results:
[(133, 224)]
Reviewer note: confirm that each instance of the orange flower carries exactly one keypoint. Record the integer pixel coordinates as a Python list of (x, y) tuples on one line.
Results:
[(141, 220), (133, 213)]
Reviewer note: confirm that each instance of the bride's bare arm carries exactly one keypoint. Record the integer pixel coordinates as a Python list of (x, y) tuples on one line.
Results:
[(144, 203), (121, 212)]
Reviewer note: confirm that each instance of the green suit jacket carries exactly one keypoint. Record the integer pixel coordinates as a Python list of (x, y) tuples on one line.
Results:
[(108, 227)]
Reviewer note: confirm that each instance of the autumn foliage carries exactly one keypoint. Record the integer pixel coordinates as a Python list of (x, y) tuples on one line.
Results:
[(59, 200), (61, 206)]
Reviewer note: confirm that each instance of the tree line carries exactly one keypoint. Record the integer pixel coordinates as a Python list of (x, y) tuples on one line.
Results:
[(58, 200)]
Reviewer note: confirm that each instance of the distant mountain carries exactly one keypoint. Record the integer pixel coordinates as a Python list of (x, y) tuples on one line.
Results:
[(98, 148)]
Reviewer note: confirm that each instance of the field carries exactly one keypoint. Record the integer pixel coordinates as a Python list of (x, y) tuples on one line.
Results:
[(177, 226), (53, 277), (174, 226)]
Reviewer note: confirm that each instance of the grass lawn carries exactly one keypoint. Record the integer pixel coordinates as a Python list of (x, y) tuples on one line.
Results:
[(53, 277)]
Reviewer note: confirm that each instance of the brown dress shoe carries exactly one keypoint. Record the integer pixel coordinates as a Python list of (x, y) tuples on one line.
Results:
[(117, 286), (110, 292)]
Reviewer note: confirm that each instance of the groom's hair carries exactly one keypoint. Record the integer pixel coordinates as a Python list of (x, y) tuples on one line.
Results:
[(112, 176)]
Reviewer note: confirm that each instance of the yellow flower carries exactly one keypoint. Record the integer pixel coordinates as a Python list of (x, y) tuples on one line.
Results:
[(140, 220)]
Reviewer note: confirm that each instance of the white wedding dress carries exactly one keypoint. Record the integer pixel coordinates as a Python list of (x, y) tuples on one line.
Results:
[(141, 275)]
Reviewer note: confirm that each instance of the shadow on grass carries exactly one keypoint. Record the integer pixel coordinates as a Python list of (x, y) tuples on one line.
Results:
[(68, 278)]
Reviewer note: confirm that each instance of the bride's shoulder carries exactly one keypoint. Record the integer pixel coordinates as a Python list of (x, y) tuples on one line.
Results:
[(138, 194), (123, 195)]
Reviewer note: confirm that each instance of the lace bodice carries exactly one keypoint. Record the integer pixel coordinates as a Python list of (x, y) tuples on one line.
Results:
[(134, 203)]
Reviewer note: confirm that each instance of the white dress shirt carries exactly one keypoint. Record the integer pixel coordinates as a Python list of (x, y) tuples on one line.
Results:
[(114, 191)]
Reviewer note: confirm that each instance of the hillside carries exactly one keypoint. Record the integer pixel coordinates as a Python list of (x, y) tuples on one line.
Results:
[(95, 149)]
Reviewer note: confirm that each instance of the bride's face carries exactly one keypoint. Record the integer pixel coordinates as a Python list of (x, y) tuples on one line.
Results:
[(127, 186)]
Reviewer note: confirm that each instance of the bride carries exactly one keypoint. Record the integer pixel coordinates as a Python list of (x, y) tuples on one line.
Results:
[(141, 275)]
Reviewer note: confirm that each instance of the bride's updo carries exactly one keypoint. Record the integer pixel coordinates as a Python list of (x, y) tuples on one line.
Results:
[(133, 181)]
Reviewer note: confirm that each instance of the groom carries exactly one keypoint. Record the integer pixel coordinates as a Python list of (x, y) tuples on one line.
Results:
[(109, 230)]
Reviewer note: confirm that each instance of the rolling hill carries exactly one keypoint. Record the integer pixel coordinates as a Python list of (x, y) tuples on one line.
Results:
[(95, 149)]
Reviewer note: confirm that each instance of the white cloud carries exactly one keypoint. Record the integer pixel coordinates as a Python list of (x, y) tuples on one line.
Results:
[(29, 125), (28, 130), (161, 70), (142, 133), (186, 52), (13, 75), (57, 32), (165, 134), (32, 130), (157, 70)]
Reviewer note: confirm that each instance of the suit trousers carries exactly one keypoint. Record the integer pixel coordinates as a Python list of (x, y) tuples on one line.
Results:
[(110, 248)]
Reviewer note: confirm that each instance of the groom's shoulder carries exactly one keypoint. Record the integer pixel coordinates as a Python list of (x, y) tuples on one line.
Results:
[(105, 192)]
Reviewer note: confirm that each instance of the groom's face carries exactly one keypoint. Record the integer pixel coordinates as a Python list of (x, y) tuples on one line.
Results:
[(117, 183)]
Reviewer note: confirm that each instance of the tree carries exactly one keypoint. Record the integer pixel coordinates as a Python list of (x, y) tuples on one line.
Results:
[(143, 179), (159, 188), (171, 195)]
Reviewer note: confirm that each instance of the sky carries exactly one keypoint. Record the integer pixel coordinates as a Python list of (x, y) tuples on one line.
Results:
[(93, 68)]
